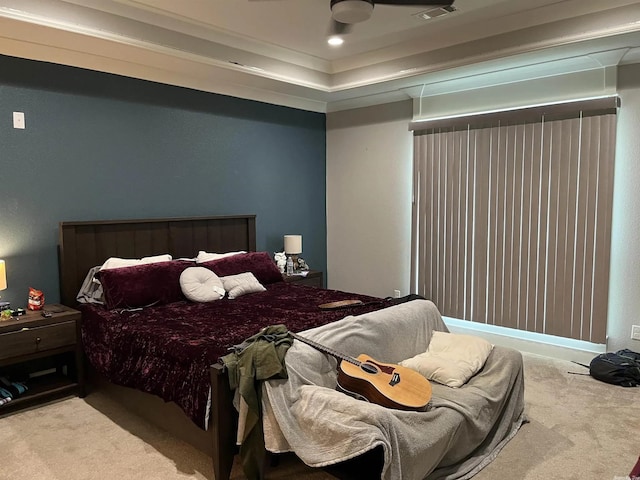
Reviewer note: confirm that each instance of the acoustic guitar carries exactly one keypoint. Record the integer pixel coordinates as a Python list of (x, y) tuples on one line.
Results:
[(386, 384)]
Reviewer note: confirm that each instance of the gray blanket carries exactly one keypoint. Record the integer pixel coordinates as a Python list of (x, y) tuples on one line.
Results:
[(463, 429)]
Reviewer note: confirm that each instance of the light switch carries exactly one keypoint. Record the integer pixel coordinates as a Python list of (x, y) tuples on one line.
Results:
[(18, 120)]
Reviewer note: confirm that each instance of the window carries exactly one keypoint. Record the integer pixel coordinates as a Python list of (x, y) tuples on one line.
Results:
[(512, 217)]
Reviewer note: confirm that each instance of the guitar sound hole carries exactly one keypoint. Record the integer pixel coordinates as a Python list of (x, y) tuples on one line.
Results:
[(368, 368)]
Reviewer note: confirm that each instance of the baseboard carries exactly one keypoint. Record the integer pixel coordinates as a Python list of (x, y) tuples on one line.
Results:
[(537, 343)]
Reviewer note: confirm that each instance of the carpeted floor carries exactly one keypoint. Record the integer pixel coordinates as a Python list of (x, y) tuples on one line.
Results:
[(579, 429)]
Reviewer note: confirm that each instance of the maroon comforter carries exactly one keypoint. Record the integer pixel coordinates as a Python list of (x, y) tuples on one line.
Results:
[(167, 350)]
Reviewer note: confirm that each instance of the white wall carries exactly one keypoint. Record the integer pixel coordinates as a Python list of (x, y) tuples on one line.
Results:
[(369, 177), (624, 283), (369, 157)]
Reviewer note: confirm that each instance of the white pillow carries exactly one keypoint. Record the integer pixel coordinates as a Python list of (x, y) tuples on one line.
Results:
[(115, 262), (451, 359), (241, 284), (208, 256), (201, 285)]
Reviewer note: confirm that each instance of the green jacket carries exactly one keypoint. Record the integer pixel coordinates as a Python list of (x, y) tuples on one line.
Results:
[(258, 358)]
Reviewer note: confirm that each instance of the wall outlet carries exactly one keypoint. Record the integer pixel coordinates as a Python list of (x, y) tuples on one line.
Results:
[(396, 294), (635, 332), (18, 120)]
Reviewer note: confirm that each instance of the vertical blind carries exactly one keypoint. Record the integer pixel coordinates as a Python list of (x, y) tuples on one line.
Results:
[(512, 218)]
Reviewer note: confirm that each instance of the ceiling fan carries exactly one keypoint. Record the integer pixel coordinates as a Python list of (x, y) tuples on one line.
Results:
[(344, 13)]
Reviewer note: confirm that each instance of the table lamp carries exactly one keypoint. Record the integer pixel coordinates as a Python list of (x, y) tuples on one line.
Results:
[(293, 248), (3, 284)]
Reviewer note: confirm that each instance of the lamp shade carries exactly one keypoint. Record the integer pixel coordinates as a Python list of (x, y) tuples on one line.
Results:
[(293, 244), (3, 275)]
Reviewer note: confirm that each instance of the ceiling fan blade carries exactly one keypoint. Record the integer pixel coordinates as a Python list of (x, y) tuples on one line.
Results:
[(339, 28), (417, 3)]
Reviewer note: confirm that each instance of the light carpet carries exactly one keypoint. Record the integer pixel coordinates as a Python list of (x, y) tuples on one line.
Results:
[(579, 429)]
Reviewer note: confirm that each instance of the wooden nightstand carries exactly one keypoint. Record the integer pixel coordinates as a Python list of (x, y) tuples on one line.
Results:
[(45, 353), (314, 278)]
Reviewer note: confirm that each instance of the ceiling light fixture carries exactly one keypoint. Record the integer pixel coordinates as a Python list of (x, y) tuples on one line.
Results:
[(335, 41)]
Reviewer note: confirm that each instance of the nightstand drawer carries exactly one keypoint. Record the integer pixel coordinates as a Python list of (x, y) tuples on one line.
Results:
[(313, 278), (37, 339)]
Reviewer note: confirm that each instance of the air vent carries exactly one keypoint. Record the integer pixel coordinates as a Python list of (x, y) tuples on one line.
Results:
[(435, 12)]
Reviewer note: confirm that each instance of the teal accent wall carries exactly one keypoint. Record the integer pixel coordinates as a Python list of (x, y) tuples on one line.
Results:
[(100, 146)]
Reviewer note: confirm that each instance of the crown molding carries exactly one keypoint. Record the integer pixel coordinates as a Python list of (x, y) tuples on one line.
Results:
[(104, 42)]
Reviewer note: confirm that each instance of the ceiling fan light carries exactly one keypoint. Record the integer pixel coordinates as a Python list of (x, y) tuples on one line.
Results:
[(351, 11), (335, 41)]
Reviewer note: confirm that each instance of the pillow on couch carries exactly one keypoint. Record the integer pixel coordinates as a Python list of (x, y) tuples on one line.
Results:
[(451, 359), (241, 284), (201, 285), (143, 285), (258, 263)]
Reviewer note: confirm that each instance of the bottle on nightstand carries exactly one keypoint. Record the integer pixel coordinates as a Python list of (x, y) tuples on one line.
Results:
[(289, 267)]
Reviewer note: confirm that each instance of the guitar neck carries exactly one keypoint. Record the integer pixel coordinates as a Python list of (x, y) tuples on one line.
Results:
[(330, 351)]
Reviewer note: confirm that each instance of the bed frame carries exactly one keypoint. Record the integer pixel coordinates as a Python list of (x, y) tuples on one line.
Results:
[(83, 245)]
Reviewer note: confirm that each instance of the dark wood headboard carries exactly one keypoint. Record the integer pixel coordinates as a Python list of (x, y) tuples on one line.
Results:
[(83, 245)]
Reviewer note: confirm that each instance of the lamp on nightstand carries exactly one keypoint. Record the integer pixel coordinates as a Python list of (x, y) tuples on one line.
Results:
[(293, 248), (3, 285)]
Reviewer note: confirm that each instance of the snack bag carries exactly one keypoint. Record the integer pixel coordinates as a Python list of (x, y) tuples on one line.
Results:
[(36, 299)]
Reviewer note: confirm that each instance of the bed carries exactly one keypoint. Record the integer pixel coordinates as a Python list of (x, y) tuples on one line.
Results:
[(204, 399), (155, 362)]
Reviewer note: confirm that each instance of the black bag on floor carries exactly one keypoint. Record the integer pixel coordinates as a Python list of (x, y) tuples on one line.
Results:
[(619, 368)]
